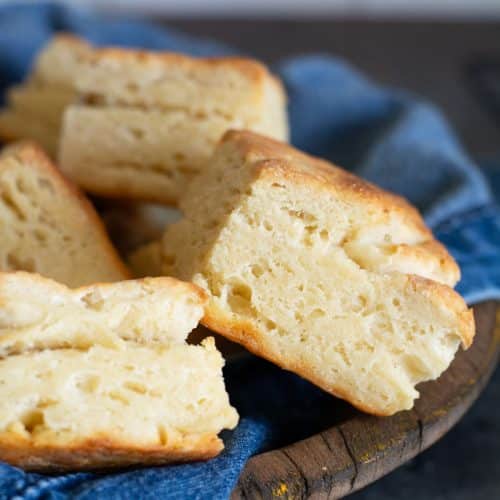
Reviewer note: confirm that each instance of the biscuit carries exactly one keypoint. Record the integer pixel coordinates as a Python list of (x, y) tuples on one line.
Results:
[(148, 122), (47, 226), (320, 272), (101, 376)]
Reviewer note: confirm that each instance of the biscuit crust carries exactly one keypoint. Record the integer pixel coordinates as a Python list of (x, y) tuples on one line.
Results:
[(103, 453)]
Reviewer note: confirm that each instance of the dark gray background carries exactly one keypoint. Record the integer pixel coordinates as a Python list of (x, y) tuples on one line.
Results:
[(429, 59)]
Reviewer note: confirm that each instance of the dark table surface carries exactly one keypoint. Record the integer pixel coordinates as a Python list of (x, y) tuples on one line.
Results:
[(429, 59)]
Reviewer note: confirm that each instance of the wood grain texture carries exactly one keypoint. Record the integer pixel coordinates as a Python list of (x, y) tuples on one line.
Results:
[(363, 448)]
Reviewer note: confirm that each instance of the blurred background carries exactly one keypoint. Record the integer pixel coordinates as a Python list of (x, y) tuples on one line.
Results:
[(310, 8), (447, 51)]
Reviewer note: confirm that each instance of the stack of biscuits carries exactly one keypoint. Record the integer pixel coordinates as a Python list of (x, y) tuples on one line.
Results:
[(220, 222)]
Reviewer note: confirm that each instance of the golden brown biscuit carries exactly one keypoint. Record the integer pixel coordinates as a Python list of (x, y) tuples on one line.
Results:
[(101, 376), (47, 226), (320, 272)]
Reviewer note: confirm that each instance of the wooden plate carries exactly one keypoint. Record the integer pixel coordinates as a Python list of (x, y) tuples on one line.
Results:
[(362, 448)]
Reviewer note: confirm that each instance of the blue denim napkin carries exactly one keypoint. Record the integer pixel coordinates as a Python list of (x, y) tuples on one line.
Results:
[(387, 136)]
